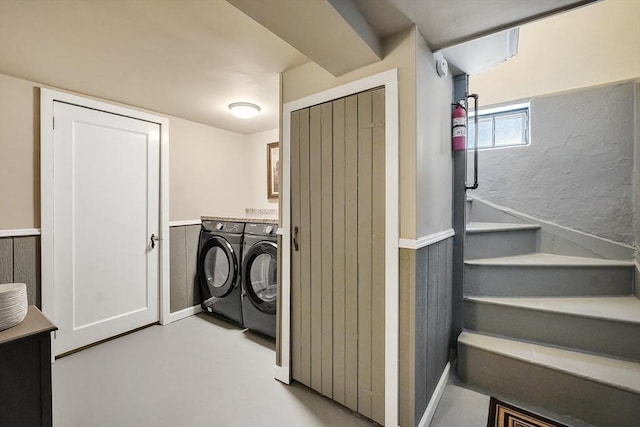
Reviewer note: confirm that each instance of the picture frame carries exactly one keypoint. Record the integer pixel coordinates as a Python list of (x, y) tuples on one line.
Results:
[(273, 176)]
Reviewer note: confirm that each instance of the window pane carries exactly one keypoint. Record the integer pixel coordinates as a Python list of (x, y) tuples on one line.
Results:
[(510, 129), (484, 133)]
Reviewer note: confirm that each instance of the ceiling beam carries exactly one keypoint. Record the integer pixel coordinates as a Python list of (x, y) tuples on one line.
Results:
[(332, 33)]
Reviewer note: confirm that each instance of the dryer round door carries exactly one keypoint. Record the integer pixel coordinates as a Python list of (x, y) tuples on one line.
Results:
[(218, 267), (260, 276)]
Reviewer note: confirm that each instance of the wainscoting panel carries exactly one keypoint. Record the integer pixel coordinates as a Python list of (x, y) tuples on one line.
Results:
[(184, 289), (432, 319), (20, 263)]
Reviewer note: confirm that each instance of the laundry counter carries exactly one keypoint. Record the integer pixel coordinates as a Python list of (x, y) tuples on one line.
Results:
[(240, 219)]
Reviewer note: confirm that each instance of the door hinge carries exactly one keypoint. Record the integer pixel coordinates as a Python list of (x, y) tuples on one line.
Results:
[(372, 125), (54, 123)]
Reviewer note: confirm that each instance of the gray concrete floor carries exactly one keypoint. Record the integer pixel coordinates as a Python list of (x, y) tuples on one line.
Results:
[(201, 371), (461, 407), (198, 371)]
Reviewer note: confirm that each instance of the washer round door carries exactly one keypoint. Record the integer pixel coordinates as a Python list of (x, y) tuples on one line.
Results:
[(217, 267), (260, 276)]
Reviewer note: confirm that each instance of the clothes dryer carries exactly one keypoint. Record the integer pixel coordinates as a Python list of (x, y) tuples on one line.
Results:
[(219, 264), (259, 278)]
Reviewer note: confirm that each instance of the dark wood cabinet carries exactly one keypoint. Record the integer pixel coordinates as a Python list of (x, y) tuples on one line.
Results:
[(25, 372)]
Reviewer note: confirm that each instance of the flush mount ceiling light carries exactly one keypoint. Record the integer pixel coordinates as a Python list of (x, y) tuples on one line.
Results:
[(244, 110)]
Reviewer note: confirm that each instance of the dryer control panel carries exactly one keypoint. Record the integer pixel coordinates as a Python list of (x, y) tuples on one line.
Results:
[(261, 229)]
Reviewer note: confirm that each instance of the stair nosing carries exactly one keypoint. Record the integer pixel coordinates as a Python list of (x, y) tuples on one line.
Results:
[(503, 301), (559, 351), (499, 227), (565, 261)]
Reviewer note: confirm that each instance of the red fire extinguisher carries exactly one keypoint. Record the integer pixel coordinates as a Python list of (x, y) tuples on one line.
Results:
[(459, 130)]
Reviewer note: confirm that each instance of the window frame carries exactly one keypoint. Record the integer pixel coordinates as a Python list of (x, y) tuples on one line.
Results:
[(502, 111)]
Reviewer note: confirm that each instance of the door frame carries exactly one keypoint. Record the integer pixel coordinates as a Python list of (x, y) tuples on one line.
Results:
[(388, 79), (47, 98)]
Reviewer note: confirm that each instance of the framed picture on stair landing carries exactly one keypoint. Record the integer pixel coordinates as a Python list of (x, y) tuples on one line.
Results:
[(273, 163)]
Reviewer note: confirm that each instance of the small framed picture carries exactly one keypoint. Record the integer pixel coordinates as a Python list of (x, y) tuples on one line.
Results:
[(273, 177)]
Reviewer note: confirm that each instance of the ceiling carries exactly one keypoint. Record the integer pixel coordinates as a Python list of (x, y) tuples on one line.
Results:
[(191, 58), (187, 58)]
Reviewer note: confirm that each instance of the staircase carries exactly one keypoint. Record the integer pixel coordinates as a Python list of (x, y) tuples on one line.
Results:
[(552, 331)]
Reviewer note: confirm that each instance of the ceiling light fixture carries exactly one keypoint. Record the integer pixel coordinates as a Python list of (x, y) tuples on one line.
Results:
[(244, 110)]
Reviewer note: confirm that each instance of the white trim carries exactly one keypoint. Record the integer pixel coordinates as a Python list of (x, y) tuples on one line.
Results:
[(185, 312), (388, 79), (502, 109), (282, 373), (47, 97), (185, 222), (426, 240), (19, 232), (435, 398)]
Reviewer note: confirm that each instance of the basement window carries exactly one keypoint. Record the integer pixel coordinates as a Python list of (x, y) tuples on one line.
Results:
[(500, 127)]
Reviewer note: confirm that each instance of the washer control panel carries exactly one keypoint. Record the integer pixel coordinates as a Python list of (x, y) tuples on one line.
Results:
[(227, 227)]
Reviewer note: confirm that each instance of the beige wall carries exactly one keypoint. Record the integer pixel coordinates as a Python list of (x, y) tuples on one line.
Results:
[(19, 154), (207, 172), (257, 169), (594, 45), (207, 165), (433, 145), (399, 52)]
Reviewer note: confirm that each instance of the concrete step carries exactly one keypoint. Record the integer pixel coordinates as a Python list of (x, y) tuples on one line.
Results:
[(603, 325), (598, 390), (492, 239), (542, 274), (480, 211)]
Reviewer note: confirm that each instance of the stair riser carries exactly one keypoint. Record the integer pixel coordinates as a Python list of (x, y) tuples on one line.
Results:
[(480, 212), (547, 281), (577, 397), (499, 243), (607, 337)]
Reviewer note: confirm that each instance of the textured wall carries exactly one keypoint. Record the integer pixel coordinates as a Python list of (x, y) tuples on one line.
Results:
[(578, 170), (636, 171)]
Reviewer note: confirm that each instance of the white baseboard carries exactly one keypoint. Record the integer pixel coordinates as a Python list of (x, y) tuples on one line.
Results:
[(186, 312), (435, 398), (282, 374)]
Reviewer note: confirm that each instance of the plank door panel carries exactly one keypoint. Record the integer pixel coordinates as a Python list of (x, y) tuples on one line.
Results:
[(377, 255), (315, 189), (338, 205), (296, 317), (351, 251), (305, 249), (365, 195), (326, 172), (338, 251)]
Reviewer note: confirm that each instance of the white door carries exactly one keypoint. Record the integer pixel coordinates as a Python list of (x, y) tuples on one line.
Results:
[(106, 172)]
